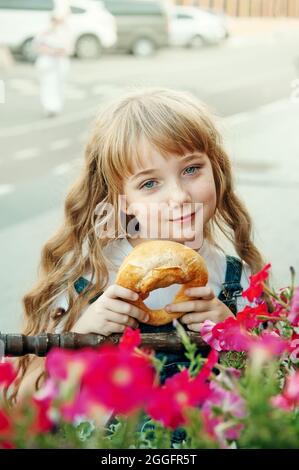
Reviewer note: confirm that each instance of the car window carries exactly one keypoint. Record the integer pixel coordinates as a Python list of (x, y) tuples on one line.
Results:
[(27, 4), (77, 10), (183, 16), (121, 8)]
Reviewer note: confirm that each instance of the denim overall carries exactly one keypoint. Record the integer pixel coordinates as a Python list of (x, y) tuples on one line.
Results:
[(231, 289)]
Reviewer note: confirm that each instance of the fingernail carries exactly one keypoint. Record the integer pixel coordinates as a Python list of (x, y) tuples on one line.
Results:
[(135, 296), (168, 308), (187, 292), (146, 318)]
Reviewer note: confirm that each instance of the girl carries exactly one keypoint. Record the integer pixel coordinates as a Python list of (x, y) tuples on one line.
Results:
[(53, 47), (171, 136)]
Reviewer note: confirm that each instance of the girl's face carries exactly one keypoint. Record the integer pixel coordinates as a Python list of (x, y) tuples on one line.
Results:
[(171, 189)]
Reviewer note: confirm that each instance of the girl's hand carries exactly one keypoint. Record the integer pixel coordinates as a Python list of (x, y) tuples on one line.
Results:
[(109, 315), (204, 307)]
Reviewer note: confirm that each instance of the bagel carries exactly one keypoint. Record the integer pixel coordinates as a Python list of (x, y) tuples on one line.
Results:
[(160, 263)]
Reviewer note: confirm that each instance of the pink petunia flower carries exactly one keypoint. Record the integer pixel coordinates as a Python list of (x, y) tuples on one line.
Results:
[(226, 335), (223, 405), (289, 398), (7, 445), (62, 363), (208, 366), (130, 339), (293, 315), (294, 348), (279, 401), (169, 402), (83, 406), (48, 391), (42, 422), (256, 288), (110, 377), (6, 431), (248, 317), (231, 335), (269, 344), (119, 380), (206, 332), (291, 390), (7, 373), (261, 275), (5, 423)]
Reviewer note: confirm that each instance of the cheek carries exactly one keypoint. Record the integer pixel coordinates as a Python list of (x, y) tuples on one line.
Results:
[(204, 190), (211, 194), (148, 206)]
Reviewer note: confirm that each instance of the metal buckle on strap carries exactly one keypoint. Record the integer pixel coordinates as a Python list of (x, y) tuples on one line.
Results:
[(232, 294)]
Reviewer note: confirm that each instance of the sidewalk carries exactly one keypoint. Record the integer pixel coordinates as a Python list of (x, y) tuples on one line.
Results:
[(264, 148), (21, 246)]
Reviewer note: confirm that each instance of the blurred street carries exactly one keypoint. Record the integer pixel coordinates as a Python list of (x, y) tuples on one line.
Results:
[(249, 82)]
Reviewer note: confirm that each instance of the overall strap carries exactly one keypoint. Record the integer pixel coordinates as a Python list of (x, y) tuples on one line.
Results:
[(81, 284), (231, 286)]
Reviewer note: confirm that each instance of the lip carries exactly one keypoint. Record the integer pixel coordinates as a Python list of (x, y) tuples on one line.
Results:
[(183, 219)]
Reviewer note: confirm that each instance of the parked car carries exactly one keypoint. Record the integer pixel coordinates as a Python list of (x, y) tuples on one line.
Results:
[(192, 27), (142, 25), (93, 28)]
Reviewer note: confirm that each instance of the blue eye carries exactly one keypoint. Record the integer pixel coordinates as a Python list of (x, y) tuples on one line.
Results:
[(144, 185), (147, 182), (197, 167)]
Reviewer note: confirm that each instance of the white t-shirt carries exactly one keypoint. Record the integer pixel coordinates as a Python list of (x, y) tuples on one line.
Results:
[(56, 39), (215, 260)]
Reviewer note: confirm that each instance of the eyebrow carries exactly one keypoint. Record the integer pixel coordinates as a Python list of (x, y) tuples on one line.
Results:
[(186, 158)]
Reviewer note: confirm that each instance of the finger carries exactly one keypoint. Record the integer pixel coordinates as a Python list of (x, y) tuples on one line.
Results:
[(189, 306), (195, 327), (204, 292), (122, 319), (114, 291), (192, 317), (122, 307), (212, 315), (112, 327)]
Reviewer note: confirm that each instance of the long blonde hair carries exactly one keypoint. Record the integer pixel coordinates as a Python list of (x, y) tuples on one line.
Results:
[(171, 121)]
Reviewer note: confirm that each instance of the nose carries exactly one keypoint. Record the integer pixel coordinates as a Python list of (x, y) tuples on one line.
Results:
[(178, 196)]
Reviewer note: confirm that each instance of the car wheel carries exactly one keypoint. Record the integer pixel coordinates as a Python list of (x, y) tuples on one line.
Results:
[(28, 51), (197, 41), (88, 47), (143, 47)]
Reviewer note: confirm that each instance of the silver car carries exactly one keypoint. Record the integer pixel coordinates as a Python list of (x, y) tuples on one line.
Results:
[(142, 25)]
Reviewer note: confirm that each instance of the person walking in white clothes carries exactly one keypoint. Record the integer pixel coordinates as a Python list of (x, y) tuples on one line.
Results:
[(54, 46)]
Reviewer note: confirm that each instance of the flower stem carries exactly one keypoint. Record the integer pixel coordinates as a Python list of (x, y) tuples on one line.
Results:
[(275, 296), (293, 275)]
